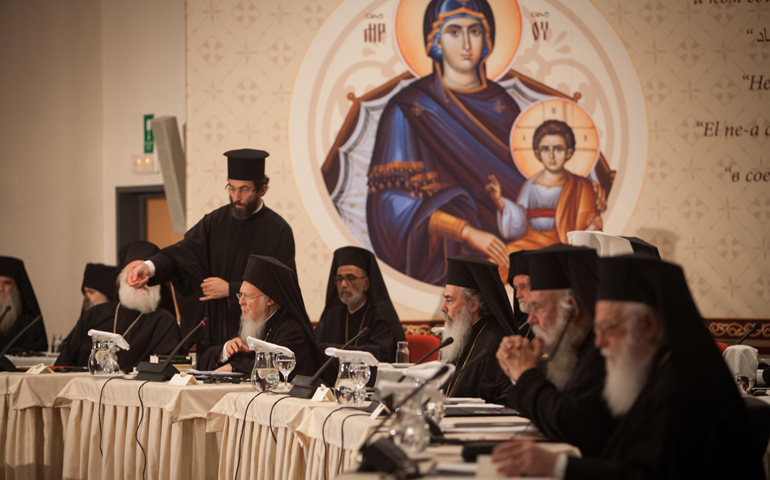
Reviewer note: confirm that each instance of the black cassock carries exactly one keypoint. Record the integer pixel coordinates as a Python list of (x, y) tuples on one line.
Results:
[(647, 444), (483, 376), (219, 246), (35, 340), (577, 415), (155, 333), (337, 327), (284, 330)]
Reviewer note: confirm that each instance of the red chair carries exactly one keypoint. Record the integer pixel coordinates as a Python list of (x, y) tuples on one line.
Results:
[(721, 346), (420, 345)]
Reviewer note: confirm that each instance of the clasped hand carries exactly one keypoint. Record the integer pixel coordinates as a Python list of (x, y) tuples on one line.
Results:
[(516, 355)]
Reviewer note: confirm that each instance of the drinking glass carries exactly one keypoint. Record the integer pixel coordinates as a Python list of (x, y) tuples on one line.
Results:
[(95, 359), (285, 364), (360, 373), (56, 343), (264, 375), (402, 352)]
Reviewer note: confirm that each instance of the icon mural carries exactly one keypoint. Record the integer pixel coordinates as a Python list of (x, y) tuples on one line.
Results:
[(462, 153)]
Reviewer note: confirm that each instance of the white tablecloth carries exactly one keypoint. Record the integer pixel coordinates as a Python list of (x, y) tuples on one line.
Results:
[(31, 430), (300, 450), (172, 434)]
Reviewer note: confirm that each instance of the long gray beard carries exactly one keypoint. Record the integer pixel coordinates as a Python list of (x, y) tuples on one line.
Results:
[(626, 379), (12, 299), (460, 330), (250, 328), (561, 364), (145, 301)]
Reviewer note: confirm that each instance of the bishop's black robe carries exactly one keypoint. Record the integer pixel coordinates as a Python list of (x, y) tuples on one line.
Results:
[(281, 329), (35, 340), (577, 415), (648, 444), (380, 341), (155, 333), (219, 246), (483, 378)]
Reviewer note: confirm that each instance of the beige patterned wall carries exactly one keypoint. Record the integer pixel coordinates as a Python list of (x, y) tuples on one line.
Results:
[(243, 55)]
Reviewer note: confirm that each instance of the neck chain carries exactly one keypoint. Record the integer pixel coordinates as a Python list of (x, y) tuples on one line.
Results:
[(467, 357), (360, 327), (115, 324)]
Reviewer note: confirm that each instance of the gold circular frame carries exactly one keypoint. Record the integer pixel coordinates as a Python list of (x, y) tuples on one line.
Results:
[(587, 146), (410, 44)]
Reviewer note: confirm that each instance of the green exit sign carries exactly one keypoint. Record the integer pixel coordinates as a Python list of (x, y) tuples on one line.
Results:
[(149, 139)]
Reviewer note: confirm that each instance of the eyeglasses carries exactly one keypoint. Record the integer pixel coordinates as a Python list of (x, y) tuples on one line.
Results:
[(605, 327), (240, 295), (243, 190), (350, 278)]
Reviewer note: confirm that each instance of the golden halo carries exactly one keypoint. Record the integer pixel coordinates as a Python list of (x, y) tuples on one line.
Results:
[(410, 44), (586, 136)]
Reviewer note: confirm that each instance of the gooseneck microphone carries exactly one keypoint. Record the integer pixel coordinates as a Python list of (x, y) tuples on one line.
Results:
[(5, 364), (160, 372), (446, 342), (304, 386), (7, 309), (756, 327)]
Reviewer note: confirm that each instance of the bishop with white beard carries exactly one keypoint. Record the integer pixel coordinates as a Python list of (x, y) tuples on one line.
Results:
[(477, 314), (16, 292), (564, 400), (136, 315)]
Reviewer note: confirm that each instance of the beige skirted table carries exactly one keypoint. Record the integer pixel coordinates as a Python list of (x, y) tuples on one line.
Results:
[(309, 437), (169, 421), (31, 430)]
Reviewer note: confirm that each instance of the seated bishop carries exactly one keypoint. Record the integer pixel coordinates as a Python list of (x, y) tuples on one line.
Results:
[(680, 414), (356, 298), (272, 310), (477, 315), (564, 398), (518, 278), (18, 307), (136, 315), (98, 285)]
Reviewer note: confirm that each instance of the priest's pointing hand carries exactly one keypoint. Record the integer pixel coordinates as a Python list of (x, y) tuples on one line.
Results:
[(517, 355), (138, 274), (214, 288)]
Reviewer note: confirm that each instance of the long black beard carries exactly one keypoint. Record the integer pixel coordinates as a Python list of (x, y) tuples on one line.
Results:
[(251, 207)]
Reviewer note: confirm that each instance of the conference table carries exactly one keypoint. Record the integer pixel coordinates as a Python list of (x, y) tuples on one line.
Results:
[(149, 430), (31, 429)]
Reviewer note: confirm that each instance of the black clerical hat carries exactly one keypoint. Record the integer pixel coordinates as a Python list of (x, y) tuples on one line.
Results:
[(246, 164), (101, 278), (139, 250), (470, 271), (563, 266), (14, 268), (642, 247), (353, 256), (519, 265)]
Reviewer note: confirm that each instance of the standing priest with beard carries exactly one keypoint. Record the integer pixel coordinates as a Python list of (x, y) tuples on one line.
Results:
[(477, 315), (272, 310), (16, 292), (356, 297), (148, 329), (681, 415), (215, 251), (565, 402)]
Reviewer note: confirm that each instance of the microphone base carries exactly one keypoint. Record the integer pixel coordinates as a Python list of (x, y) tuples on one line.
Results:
[(304, 387), (7, 365), (384, 456), (156, 372)]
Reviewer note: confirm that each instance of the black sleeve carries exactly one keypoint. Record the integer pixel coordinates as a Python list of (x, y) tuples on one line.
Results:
[(578, 415), (186, 258), (285, 252)]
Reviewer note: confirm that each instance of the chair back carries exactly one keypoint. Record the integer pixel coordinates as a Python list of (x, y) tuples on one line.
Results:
[(420, 345)]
